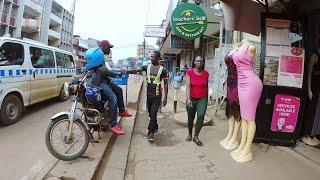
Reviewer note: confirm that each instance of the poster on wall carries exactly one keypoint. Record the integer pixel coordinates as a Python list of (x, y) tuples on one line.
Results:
[(291, 67), (285, 113), (278, 35)]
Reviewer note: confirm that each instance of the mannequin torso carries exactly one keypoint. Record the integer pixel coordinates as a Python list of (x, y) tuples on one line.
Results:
[(249, 84)]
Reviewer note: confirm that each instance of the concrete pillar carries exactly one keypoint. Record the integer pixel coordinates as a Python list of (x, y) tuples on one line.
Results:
[(8, 17), (45, 21), (19, 18)]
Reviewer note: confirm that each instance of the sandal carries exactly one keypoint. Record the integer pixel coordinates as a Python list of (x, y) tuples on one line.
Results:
[(189, 138), (197, 141)]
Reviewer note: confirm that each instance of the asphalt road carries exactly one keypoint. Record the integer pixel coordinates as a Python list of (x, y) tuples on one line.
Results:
[(22, 145)]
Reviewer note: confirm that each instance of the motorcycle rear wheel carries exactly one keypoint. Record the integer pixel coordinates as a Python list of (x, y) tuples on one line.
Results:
[(62, 124)]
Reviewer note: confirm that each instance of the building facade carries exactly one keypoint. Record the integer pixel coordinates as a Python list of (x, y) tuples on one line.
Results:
[(44, 21), (181, 55), (80, 46), (143, 51)]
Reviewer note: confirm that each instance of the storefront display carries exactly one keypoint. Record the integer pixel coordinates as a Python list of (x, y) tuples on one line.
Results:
[(282, 102)]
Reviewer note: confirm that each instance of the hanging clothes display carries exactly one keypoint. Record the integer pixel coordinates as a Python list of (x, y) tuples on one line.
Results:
[(232, 108), (312, 107)]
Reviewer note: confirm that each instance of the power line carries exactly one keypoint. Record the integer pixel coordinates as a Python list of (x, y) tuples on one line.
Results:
[(148, 8)]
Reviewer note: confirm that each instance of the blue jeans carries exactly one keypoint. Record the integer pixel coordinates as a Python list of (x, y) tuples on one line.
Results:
[(112, 103)]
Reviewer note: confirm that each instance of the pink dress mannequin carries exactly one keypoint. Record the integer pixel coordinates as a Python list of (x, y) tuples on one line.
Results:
[(249, 84)]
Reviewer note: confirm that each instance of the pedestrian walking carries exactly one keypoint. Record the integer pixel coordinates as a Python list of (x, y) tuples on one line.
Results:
[(197, 96), (155, 75)]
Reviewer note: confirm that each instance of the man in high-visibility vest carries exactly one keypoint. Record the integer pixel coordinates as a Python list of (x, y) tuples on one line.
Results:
[(155, 74)]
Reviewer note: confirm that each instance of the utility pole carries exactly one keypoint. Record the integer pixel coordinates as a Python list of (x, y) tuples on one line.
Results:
[(144, 45)]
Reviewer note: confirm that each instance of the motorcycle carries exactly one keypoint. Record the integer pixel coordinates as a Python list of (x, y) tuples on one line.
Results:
[(69, 133)]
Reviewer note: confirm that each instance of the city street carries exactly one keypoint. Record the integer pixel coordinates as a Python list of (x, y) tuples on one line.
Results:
[(247, 71), (22, 145)]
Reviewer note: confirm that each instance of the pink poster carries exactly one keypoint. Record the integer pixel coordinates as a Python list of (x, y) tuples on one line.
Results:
[(291, 64), (285, 113)]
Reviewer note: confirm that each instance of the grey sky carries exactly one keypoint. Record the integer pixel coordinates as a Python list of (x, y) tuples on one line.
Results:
[(121, 22)]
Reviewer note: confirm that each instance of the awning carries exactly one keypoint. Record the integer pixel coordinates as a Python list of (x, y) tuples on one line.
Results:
[(242, 15)]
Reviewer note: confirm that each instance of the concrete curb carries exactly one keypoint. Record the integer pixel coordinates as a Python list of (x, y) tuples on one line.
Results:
[(117, 163), (299, 156)]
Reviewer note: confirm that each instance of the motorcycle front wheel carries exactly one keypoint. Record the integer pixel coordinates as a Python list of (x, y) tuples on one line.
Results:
[(63, 148)]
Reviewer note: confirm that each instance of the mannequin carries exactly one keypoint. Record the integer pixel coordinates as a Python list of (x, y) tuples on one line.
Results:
[(233, 109), (310, 124), (249, 89)]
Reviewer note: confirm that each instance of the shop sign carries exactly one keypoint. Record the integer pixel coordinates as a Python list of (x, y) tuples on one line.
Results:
[(169, 57), (155, 32), (189, 21), (285, 113), (177, 42)]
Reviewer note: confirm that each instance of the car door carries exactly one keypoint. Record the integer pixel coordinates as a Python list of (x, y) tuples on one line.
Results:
[(65, 67), (14, 70), (43, 80)]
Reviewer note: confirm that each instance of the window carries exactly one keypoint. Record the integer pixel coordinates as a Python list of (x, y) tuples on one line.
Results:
[(41, 58), (11, 54), (64, 60)]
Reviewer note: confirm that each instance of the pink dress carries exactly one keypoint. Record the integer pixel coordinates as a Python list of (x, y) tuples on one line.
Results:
[(249, 84)]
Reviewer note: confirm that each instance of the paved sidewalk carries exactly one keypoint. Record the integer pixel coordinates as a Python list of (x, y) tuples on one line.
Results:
[(171, 157)]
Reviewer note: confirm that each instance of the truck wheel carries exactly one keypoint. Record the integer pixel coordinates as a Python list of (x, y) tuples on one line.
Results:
[(11, 110)]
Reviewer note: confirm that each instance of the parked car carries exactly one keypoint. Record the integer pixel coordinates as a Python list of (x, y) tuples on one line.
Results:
[(31, 73)]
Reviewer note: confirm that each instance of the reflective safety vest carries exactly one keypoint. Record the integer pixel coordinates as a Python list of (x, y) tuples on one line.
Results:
[(156, 80)]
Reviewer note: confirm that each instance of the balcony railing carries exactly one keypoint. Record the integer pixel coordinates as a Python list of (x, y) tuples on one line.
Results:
[(34, 5), (55, 18), (30, 25), (4, 19), (54, 34), (15, 2), (12, 21)]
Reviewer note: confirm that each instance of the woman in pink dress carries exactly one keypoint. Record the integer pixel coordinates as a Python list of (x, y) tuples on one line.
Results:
[(249, 90)]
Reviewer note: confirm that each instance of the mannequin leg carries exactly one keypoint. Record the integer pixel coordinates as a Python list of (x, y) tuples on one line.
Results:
[(310, 140), (316, 141), (233, 143), (244, 130), (230, 132), (246, 154)]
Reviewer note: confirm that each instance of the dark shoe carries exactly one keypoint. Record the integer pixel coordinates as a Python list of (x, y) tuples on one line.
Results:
[(197, 141), (189, 138), (151, 137)]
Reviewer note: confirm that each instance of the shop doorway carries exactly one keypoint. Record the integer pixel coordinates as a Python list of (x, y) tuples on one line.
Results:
[(281, 36)]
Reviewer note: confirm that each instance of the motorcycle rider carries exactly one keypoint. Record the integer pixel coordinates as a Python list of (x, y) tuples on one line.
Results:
[(105, 47), (95, 62)]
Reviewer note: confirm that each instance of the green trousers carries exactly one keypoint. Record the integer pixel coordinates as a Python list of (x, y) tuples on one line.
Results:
[(199, 107)]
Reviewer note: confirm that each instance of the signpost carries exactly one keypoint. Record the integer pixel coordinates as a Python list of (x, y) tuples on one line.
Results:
[(155, 32), (189, 21)]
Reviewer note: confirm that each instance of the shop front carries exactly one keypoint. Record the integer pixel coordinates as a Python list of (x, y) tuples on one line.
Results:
[(289, 106)]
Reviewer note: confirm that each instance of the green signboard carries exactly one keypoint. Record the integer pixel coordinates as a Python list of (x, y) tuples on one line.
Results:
[(189, 21)]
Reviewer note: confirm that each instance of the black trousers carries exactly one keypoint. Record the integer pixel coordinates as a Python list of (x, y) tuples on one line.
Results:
[(153, 104), (119, 93)]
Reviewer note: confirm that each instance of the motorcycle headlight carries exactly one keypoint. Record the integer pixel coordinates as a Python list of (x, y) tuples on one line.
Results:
[(73, 89)]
